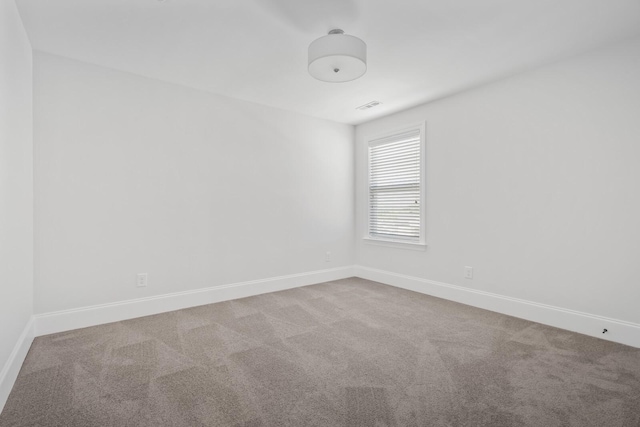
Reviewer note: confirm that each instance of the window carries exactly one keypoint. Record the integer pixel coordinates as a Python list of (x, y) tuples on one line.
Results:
[(396, 187)]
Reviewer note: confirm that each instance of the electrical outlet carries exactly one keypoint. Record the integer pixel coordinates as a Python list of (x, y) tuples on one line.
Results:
[(327, 257), (468, 272), (142, 280)]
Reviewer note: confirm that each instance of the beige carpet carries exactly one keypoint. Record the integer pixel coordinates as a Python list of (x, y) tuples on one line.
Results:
[(344, 353)]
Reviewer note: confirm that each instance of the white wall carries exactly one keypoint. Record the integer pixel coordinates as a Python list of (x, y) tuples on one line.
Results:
[(16, 182), (197, 190), (534, 181)]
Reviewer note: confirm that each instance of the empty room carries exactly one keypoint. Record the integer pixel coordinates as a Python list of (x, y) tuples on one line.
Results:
[(258, 213)]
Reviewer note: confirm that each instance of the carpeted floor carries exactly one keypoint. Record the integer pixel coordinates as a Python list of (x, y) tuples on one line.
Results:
[(344, 353)]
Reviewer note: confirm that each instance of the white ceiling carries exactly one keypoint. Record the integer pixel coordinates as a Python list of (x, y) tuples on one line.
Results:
[(256, 50)]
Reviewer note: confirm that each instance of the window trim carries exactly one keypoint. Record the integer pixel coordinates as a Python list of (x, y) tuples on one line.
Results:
[(398, 243)]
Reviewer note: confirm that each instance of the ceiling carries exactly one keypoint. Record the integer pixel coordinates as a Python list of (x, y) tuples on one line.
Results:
[(256, 50)]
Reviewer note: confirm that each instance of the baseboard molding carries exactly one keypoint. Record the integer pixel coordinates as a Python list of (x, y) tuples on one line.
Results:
[(60, 321), (588, 324), (12, 367)]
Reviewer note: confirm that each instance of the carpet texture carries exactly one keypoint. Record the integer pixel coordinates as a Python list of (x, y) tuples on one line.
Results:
[(344, 353)]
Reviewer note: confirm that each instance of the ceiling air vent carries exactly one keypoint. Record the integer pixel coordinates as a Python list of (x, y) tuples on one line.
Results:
[(369, 105)]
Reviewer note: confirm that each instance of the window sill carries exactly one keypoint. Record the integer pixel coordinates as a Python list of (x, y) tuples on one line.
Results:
[(395, 244)]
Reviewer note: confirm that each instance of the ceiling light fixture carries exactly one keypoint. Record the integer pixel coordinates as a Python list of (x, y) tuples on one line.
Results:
[(337, 57)]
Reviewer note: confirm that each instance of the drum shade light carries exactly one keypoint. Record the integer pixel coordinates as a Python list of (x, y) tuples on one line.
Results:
[(337, 57)]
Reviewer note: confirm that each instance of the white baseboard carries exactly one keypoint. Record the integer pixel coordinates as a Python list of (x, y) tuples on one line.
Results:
[(66, 320), (618, 331), (589, 324), (12, 367)]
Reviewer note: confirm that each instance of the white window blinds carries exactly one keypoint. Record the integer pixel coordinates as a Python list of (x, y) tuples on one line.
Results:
[(394, 187)]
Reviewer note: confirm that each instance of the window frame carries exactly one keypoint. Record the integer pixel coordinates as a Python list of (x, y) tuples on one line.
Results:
[(420, 244)]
